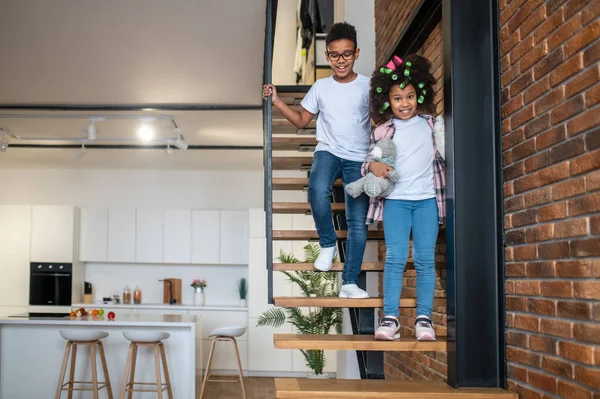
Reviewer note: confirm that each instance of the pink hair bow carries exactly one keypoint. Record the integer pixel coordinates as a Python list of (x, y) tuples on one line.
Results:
[(391, 64)]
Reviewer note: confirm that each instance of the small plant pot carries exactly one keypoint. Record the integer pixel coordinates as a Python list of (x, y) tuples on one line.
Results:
[(313, 376), (243, 303)]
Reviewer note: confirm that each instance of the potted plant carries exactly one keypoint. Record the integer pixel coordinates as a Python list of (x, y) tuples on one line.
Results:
[(199, 286), (313, 320), (243, 291)]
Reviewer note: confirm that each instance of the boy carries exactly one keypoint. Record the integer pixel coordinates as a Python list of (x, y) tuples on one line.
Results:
[(343, 127)]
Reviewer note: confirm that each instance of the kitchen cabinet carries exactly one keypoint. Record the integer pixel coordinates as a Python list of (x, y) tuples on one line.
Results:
[(52, 233), (15, 233), (234, 237), (177, 236), (205, 237), (93, 235), (262, 354), (121, 235), (149, 236)]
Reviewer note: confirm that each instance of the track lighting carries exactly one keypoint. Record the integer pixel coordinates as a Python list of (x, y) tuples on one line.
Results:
[(179, 143), (81, 152), (169, 150), (3, 143), (91, 130)]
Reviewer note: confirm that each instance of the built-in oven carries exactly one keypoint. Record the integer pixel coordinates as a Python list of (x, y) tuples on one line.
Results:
[(50, 284)]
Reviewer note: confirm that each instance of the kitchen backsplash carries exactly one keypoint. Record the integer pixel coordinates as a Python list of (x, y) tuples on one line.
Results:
[(110, 278)]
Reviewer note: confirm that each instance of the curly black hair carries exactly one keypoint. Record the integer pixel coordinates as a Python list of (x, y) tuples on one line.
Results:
[(341, 30), (418, 75)]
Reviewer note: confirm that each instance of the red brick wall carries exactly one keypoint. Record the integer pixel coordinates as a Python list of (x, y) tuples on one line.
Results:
[(391, 18), (550, 94)]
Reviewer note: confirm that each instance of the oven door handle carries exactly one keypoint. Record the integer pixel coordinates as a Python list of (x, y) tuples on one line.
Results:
[(51, 274)]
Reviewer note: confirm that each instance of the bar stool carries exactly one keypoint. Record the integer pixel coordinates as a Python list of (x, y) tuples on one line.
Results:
[(227, 334), (154, 340), (92, 339)]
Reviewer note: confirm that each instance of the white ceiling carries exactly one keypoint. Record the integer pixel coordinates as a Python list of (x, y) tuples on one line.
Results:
[(134, 52)]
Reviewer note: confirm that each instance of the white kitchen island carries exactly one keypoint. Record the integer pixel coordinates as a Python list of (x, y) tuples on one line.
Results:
[(31, 353)]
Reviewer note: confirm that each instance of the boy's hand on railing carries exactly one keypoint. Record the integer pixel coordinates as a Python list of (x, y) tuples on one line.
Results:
[(270, 91), (380, 169)]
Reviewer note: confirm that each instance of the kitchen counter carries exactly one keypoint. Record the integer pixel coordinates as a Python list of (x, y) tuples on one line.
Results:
[(161, 306), (31, 349), (133, 320)]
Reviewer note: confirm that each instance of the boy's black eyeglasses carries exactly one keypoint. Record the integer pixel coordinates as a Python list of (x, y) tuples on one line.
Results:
[(347, 55)]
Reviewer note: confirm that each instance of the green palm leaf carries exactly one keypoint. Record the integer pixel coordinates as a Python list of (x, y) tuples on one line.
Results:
[(272, 318)]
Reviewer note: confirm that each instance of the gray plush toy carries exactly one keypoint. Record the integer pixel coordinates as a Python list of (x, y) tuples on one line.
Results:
[(384, 151)]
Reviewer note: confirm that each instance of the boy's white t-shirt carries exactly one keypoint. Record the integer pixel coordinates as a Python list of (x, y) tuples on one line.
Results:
[(343, 123), (414, 160)]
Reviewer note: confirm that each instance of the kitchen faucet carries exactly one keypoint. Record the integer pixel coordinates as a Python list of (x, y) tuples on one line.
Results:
[(171, 299)]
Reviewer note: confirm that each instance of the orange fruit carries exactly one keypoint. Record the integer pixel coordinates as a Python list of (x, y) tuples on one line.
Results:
[(95, 312)]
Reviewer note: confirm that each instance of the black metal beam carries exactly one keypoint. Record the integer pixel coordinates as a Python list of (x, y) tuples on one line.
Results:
[(475, 263), (128, 107), (271, 13), (423, 22)]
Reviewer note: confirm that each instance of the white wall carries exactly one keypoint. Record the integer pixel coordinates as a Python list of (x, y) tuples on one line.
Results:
[(133, 188), (285, 43), (361, 14), (111, 278)]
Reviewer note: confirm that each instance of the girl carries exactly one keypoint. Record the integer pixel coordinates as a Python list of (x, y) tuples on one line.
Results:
[(402, 94)]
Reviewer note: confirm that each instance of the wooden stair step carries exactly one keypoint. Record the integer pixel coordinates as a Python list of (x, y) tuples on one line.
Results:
[(302, 207), (292, 163), (283, 235), (295, 183), (291, 388), (283, 126), (356, 342), (295, 143), (335, 302), (338, 267)]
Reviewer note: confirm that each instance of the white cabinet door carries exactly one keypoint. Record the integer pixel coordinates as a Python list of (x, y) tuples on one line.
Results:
[(262, 354), (234, 237), (121, 235), (177, 236), (205, 237), (52, 233), (93, 235), (15, 242), (149, 236)]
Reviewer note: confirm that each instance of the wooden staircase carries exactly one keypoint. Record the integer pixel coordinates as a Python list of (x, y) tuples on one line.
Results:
[(287, 138)]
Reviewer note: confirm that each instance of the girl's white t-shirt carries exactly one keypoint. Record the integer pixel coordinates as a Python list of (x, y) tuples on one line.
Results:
[(414, 160), (343, 123)]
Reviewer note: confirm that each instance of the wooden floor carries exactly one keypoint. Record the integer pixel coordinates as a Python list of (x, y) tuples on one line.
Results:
[(256, 388)]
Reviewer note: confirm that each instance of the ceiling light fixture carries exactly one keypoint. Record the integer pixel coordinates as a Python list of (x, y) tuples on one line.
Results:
[(169, 150), (92, 130), (145, 133), (4, 143), (179, 142), (81, 152)]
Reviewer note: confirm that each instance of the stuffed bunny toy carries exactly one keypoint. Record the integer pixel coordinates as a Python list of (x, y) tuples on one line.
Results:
[(385, 152)]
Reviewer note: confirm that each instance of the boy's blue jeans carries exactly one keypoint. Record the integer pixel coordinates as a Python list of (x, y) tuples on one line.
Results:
[(326, 168), (399, 216)]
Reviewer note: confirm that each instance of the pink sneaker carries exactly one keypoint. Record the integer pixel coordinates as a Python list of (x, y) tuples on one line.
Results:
[(388, 329), (425, 331)]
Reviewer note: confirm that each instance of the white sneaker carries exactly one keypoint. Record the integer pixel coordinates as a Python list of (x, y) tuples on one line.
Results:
[(352, 291), (424, 329), (324, 262)]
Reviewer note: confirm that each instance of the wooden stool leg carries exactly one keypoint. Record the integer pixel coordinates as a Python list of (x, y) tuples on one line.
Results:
[(72, 372), (157, 369), (105, 370), (207, 372), (132, 375), (127, 370), (166, 370), (63, 370), (94, 370), (237, 353)]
